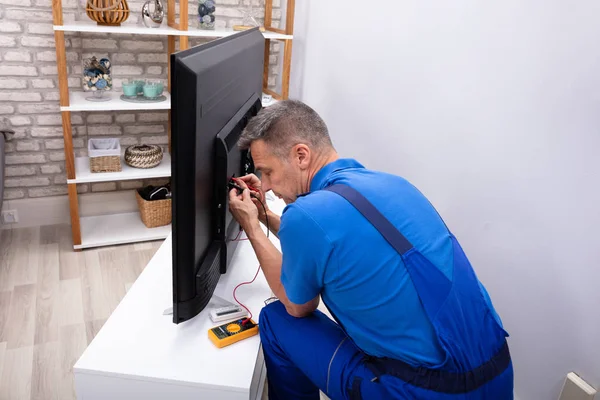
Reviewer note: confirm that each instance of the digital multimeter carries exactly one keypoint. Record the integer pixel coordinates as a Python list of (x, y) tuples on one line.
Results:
[(231, 332)]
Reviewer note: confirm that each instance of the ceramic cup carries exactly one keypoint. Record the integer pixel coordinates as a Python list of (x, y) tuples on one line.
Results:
[(140, 85), (130, 88), (151, 90), (159, 84)]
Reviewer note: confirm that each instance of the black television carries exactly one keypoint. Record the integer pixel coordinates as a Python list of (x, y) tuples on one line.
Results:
[(215, 89)]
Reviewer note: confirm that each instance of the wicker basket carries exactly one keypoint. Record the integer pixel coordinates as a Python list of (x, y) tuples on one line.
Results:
[(154, 213), (143, 156), (107, 12), (105, 155)]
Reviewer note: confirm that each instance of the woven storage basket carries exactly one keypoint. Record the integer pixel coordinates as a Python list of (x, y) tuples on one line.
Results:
[(143, 156), (154, 213), (105, 155), (107, 12)]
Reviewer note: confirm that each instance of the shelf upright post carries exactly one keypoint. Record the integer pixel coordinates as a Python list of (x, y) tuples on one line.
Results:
[(266, 65), (183, 40), (61, 60), (183, 24), (287, 68), (287, 49)]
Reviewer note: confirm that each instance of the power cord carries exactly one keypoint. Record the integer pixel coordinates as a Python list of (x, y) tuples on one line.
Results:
[(235, 298), (258, 270)]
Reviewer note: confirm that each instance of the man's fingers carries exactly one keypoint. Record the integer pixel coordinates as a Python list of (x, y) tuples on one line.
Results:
[(246, 194), (242, 184), (233, 195), (250, 179)]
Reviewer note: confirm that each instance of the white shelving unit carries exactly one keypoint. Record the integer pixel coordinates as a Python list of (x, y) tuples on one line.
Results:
[(78, 102), (163, 30), (84, 175), (113, 229)]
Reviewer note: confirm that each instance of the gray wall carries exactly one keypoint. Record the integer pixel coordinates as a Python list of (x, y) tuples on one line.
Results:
[(29, 89), (491, 109)]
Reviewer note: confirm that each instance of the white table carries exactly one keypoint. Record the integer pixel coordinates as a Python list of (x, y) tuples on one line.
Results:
[(141, 354)]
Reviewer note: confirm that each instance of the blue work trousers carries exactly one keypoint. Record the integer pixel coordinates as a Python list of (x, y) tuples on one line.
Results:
[(304, 355)]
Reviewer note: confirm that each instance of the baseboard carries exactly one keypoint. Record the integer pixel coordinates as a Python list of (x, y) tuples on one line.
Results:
[(55, 210)]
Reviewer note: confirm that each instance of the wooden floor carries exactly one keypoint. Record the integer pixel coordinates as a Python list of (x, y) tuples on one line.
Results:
[(53, 301)]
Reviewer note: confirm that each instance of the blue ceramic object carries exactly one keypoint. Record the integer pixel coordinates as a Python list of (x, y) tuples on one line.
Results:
[(96, 75), (206, 14)]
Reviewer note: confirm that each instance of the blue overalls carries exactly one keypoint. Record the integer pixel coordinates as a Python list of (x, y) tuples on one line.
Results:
[(303, 355)]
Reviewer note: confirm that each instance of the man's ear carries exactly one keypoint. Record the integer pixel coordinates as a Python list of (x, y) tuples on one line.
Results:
[(302, 155)]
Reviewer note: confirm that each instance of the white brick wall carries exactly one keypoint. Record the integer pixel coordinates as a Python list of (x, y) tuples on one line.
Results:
[(17, 70), (29, 90), (18, 55), (51, 169), (11, 83), (20, 171), (8, 26)]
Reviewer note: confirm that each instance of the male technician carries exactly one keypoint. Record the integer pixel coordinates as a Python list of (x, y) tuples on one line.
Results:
[(413, 320)]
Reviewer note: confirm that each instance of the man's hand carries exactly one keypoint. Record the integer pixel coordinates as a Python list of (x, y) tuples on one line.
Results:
[(243, 210), (252, 182)]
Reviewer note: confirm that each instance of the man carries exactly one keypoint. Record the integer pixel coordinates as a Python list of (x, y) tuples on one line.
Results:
[(413, 320)]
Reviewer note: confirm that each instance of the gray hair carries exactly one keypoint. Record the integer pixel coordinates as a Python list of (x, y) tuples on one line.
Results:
[(285, 124)]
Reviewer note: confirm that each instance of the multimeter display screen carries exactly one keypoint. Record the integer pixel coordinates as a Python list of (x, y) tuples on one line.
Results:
[(231, 329)]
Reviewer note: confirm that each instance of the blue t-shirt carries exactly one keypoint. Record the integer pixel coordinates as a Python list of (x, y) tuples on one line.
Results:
[(330, 249)]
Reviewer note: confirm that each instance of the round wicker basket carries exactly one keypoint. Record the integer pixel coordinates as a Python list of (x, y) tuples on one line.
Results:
[(107, 12), (143, 156)]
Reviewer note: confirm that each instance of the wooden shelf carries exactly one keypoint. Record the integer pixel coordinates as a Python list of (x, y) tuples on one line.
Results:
[(78, 102), (163, 30), (84, 175), (110, 230)]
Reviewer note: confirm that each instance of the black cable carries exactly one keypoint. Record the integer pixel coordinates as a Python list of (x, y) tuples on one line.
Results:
[(266, 215)]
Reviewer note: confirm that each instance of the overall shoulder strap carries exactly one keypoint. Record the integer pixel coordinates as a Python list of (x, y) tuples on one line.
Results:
[(394, 237)]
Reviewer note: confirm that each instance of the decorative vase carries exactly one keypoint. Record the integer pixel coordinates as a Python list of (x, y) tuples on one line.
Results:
[(153, 18), (206, 14), (107, 12), (97, 78)]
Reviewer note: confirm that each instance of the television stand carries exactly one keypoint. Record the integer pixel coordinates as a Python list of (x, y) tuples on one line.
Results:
[(141, 353)]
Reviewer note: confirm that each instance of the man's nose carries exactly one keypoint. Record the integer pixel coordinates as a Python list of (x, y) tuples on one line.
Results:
[(266, 185)]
